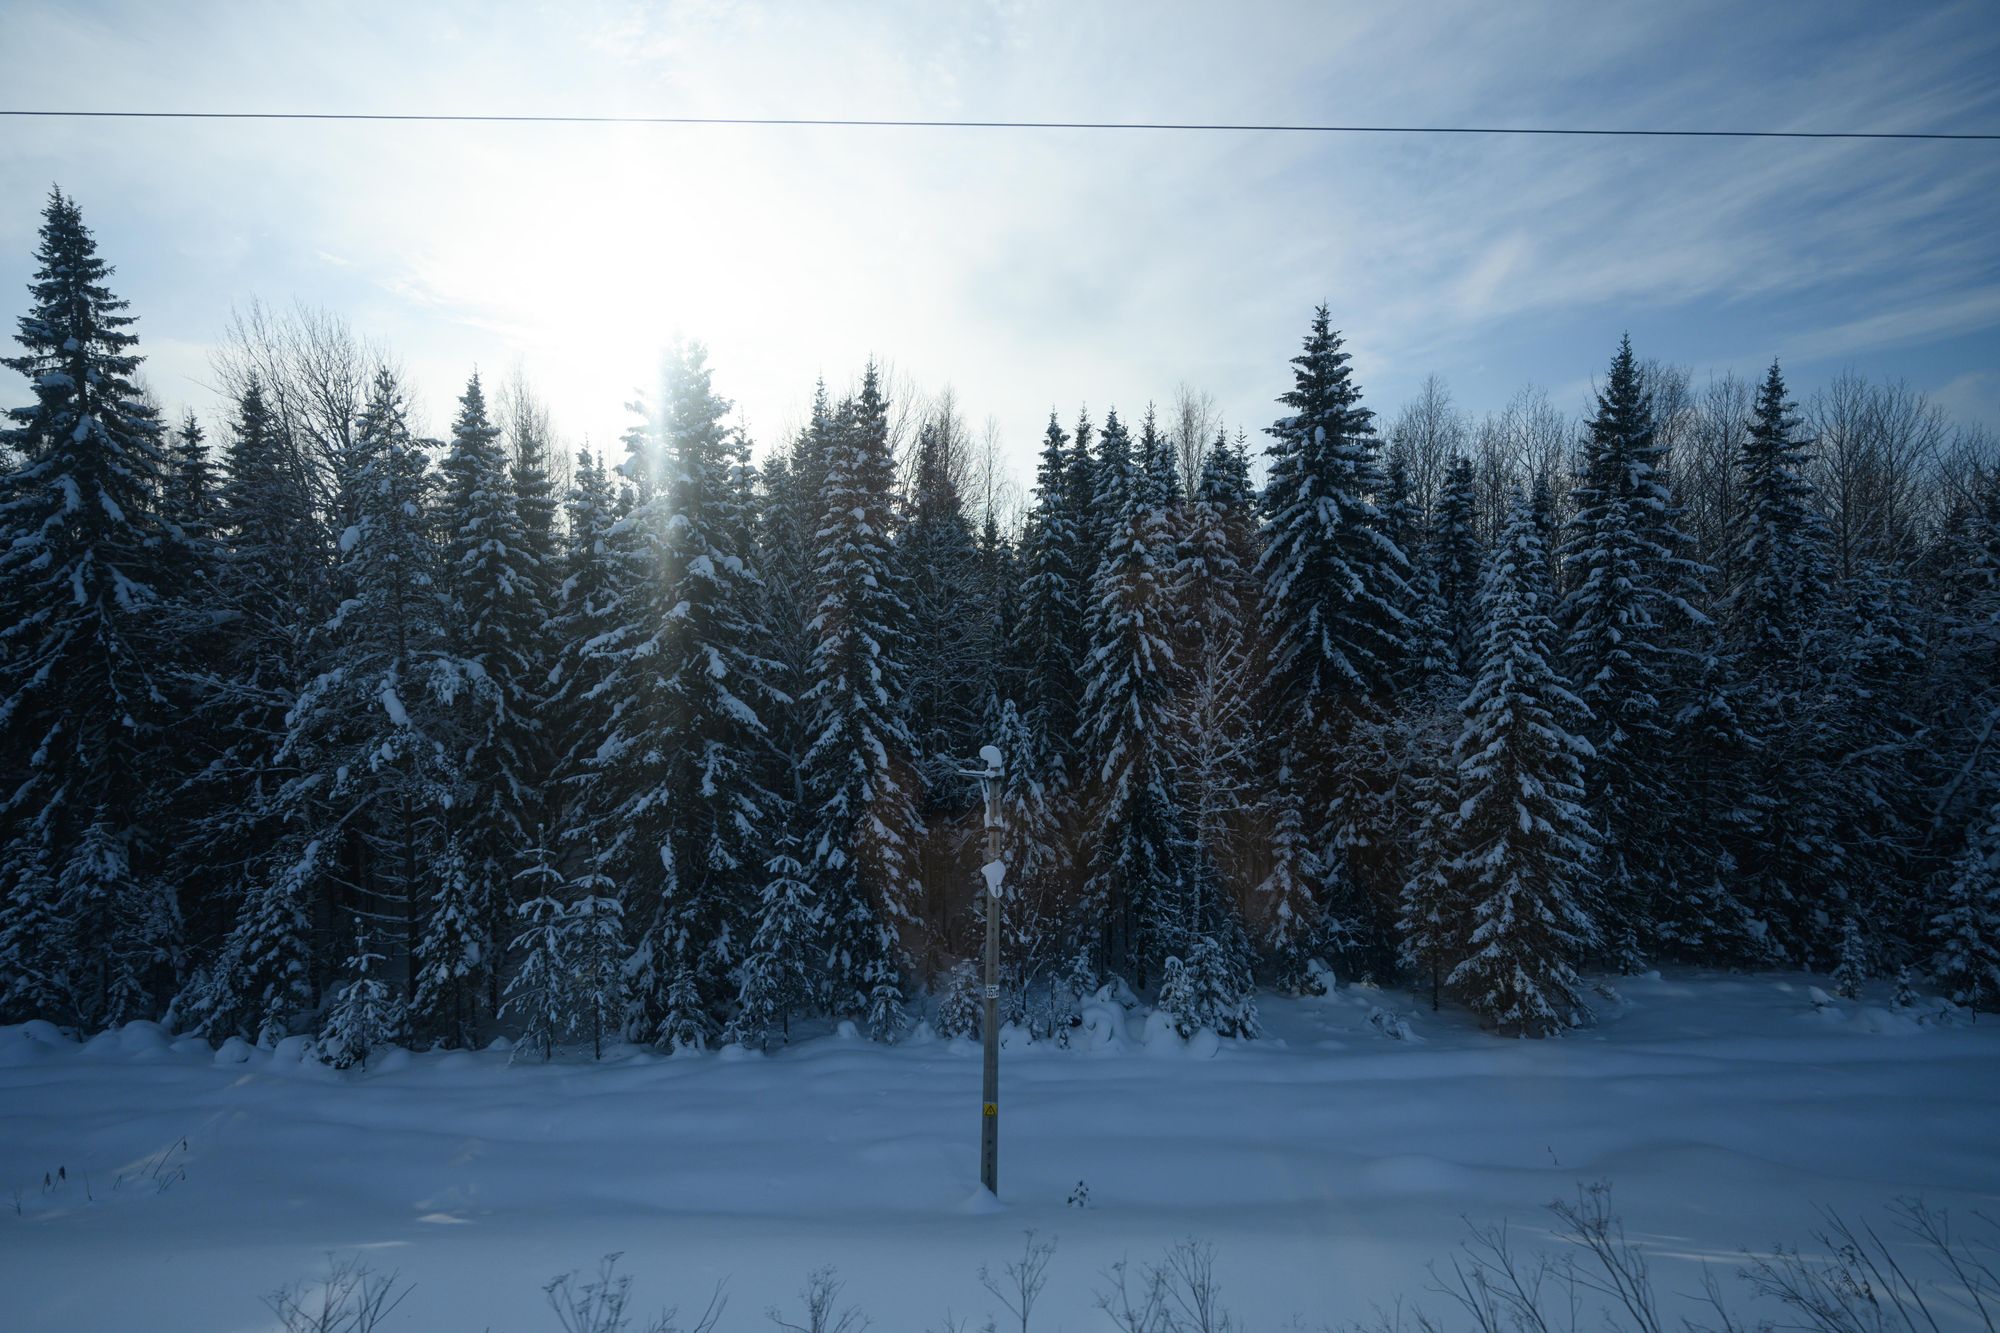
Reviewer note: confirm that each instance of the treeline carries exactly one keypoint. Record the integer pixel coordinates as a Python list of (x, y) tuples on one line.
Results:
[(339, 730)]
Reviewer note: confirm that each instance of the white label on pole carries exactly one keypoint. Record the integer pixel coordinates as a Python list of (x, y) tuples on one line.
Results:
[(992, 992)]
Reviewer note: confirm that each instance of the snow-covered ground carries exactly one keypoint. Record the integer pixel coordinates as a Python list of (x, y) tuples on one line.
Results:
[(1326, 1162)]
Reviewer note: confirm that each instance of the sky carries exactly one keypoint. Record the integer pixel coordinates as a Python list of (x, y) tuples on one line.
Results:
[(1032, 269)]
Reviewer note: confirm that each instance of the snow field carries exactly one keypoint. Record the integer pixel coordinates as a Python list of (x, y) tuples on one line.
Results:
[(1326, 1163)]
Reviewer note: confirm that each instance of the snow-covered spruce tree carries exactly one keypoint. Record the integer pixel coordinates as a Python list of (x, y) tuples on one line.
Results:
[(1869, 653), (779, 977), (364, 1014), (1965, 921), (86, 570), (263, 976), (1052, 601), (370, 753), (539, 995), (1336, 633), (453, 959), (1521, 840), (1852, 968), (493, 580), (1215, 607), (1783, 848), (1454, 551), (860, 771), (950, 666), (1431, 925), (1039, 925), (679, 799), (1621, 620), (584, 629), (1210, 988), (597, 949), (270, 588), (1141, 849)]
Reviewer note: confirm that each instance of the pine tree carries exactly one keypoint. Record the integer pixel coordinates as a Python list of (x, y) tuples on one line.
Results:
[(1853, 968), (86, 570), (1782, 847), (1521, 840), (493, 581), (1965, 923), (539, 996), (1334, 591), (1454, 559), (364, 1015), (595, 929), (1142, 850), (372, 746), (860, 767), (949, 668), (1621, 618), (680, 795), (778, 978), (451, 954)]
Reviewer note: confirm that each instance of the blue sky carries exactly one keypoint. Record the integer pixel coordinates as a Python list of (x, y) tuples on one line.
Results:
[(1030, 269)]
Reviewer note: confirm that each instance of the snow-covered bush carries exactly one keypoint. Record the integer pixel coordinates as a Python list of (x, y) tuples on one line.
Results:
[(364, 1015), (959, 1004)]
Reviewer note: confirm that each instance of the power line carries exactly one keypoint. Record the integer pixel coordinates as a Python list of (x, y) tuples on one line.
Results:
[(857, 123)]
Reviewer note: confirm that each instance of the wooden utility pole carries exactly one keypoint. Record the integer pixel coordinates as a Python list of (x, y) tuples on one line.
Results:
[(994, 871)]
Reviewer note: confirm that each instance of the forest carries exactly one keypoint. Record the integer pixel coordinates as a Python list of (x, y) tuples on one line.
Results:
[(312, 725)]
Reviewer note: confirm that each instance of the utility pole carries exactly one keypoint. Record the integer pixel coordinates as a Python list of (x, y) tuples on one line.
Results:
[(994, 871)]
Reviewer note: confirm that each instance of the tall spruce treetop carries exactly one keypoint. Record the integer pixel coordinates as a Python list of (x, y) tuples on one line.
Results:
[(681, 788), (84, 569), (1779, 555), (1052, 593), (493, 581), (1622, 619), (1142, 858), (1334, 583), (860, 768)]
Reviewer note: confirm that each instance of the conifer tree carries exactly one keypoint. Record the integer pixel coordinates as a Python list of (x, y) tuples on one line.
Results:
[(364, 1015), (1965, 922), (1052, 596), (1141, 856), (493, 581), (86, 570), (1521, 841), (371, 750), (1335, 589), (1621, 620), (1454, 560), (778, 979), (860, 769), (949, 667), (539, 995), (452, 956), (680, 798)]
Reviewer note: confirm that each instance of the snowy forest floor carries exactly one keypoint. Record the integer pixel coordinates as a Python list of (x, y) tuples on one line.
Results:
[(1326, 1162)]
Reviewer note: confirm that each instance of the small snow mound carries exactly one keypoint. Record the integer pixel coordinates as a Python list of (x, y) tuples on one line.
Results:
[(1100, 1027), (847, 1031), (290, 1051), (923, 1034), (1820, 999), (982, 1203), (501, 1044), (1204, 1044), (234, 1051), (735, 1052), (1159, 1038), (104, 1043), (1320, 980), (1879, 1022), (1115, 991), (143, 1039), (387, 1059)]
